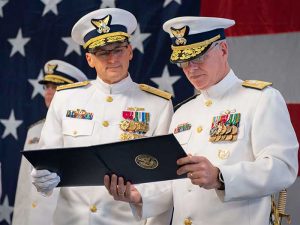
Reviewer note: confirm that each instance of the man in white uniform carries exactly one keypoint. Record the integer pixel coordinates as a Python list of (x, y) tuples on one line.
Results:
[(109, 109), (31, 208), (238, 135)]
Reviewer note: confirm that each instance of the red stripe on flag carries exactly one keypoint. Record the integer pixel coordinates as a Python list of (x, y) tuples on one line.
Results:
[(256, 16), (294, 110)]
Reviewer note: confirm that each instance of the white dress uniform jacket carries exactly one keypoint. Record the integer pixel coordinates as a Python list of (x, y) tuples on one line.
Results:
[(94, 205), (262, 160), (31, 208)]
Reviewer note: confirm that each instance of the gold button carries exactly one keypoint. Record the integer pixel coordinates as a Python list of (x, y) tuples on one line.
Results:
[(93, 208), (109, 99), (33, 204), (188, 221), (208, 102), (74, 132), (199, 129), (105, 123)]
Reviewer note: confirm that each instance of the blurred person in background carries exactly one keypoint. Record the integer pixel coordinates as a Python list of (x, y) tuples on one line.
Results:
[(30, 207)]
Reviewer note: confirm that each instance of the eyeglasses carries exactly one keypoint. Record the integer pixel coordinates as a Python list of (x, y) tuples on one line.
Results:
[(117, 51), (199, 59)]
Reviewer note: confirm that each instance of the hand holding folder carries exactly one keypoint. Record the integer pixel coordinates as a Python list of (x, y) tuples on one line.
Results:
[(139, 161)]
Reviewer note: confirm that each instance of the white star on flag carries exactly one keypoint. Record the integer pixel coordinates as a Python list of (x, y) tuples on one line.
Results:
[(18, 43), (2, 3), (37, 88), (108, 4), (72, 46), (50, 5), (138, 38), (167, 2), (5, 210), (11, 126), (165, 82)]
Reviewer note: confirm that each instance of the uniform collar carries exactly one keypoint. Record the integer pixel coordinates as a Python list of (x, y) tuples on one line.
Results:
[(219, 89), (116, 88)]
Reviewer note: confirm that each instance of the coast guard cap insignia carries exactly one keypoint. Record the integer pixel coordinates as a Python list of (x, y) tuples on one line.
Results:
[(102, 25), (51, 68), (179, 34)]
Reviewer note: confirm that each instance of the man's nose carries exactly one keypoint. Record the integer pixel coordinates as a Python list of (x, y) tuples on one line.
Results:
[(111, 55)]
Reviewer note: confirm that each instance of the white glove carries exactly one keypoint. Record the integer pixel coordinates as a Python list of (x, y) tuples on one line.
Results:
[(44, 181)]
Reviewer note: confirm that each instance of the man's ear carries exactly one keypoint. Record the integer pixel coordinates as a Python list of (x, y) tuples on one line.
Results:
[(224, 48), (90, 60)]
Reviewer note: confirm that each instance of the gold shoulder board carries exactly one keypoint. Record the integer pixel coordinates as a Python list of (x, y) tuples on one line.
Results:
[(74, 85), (256, 84), (36, 123), (155, 91)]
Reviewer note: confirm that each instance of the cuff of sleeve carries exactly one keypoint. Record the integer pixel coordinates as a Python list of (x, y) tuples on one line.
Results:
[(154, 202), (47, 194), (136, 210)]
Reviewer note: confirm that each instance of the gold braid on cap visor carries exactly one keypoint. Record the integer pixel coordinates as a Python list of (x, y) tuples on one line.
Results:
[(189, 51), (105, 39), (57, 79)]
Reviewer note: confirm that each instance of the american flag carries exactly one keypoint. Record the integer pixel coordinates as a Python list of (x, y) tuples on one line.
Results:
[(264, 45)]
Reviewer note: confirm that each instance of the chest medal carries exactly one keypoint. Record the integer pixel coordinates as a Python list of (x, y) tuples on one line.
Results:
[(135, 123), (225, 127)]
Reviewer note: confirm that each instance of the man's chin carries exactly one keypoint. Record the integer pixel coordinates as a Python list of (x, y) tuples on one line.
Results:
[(116, 68), (114, 71), (115, 77)]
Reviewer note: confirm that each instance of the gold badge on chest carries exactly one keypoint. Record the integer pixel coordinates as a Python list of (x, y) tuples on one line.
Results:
[(225, 127), (223, 154), (135, 124)]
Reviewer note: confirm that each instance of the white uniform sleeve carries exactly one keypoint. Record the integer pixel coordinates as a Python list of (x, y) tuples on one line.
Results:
[(51, 136), (164, 120), (159, 203), (275, 150)]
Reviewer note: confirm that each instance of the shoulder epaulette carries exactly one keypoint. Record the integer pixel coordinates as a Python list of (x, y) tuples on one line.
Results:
[(155, 91), (185, 101), (36, 123), (256, 84), (74, 85)]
